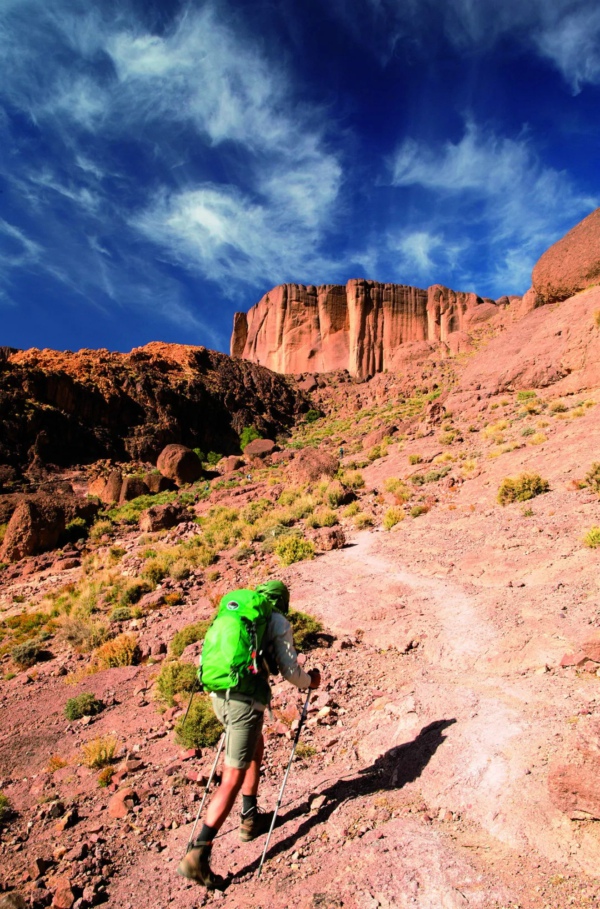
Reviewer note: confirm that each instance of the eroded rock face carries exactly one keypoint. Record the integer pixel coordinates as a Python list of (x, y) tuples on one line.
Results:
[(66, 408), (39, 521), (572, 264), (360, 327)]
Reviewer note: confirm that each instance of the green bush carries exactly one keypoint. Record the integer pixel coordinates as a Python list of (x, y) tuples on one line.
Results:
[(120, 614), (3, 529), (77, 529), (247, 435), (5, 808), (526, 395), (313, 415), (415, 459), (188, 635), (294, 549), (26, 655), (322, 517), (213, 458), (392, 517), (362, 520), (83, 705), (199, 454), (201, 728), (520, 489), (134, 592), (352, 479), (592, 478), (305, 627), (418, 510), (528, 431), (175, 678), (99, 529), (592, 538)]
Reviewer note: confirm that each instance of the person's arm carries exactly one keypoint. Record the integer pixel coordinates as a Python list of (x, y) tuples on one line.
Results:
[(282, 642)]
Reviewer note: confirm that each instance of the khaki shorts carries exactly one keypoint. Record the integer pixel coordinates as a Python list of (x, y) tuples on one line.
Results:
[(243, 722)]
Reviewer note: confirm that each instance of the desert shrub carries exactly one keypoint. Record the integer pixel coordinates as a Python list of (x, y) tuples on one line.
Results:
[(558, 407), (334, 493), (188, 635), (199, 453), (293, 549), (447, 438), (526, 395), (180, 570), (304, 751), (155, 570), (322, 517), (76, 529), (415, 459), (133, 593), (5, 807), (82, 634), (398, 489), (312, 415), (538, 438), (3, 529), (83, 705), (392, 517), (201, 728), (99, 752), (362, 520), (99, 529), (105, 776), (520, 489), (592, 538), (305, 629), (353, 479), (247, 435), (120, 651), (120, 614), (55, 763), (352, 509), (175, 678), (213, 458), (418, 510), (374, 453), (592, 477), (26, 655), (252, 512), (528, 431), (597, 318)]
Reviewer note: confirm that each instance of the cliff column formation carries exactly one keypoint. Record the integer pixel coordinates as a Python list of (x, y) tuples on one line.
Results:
[(360, 327)]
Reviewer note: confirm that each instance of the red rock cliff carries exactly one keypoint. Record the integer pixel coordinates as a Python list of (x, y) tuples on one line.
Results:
[(359, 327)]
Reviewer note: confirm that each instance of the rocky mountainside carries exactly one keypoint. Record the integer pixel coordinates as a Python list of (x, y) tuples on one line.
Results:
[(74, 408), (363, 327)]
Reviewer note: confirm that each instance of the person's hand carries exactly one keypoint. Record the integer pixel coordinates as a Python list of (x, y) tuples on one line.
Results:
[(315, 678)]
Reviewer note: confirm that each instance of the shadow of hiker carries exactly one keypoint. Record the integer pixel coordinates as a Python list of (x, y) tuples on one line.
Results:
[(393, 770)]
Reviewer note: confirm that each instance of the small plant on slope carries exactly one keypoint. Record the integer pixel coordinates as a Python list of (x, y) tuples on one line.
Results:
[(520, 489)]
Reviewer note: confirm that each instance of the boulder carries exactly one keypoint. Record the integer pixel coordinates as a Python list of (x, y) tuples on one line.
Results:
[(259, 448), (228, 465), (38, 523), (122, 803), (161, 517), (310, 465), (107, 488), (131, 488), (157, 483), (571, 264), (328, 538), (180, 464), (12, 900)]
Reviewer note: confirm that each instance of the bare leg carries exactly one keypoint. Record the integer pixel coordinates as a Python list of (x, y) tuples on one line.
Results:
[(222, 801), (252, 778)]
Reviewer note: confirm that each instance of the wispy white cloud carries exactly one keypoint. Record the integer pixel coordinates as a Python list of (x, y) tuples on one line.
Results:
[(424, 253), (493, 186)]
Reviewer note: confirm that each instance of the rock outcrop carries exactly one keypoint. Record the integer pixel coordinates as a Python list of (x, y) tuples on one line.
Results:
[(68, 408), (571, 264), (361, 327)]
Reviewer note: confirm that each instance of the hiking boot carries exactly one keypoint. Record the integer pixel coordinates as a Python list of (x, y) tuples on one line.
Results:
[(196, 867), (254, 823)]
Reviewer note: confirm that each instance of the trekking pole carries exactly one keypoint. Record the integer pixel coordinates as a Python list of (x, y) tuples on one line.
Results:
[(278, 805), (210, 779), (190, 700)]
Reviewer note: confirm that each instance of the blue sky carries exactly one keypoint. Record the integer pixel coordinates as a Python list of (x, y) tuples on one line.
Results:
[(163, 164)]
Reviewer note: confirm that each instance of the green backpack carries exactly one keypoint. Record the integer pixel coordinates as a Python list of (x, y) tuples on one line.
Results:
[(230, 654)]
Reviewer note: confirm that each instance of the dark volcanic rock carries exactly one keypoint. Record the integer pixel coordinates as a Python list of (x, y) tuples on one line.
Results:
[(75, 408)]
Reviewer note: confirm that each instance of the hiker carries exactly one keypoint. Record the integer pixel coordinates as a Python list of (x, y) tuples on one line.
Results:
[(240, 709)]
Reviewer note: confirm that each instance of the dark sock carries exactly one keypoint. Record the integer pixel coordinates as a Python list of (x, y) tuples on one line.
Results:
[(207, 835), (248, 804)]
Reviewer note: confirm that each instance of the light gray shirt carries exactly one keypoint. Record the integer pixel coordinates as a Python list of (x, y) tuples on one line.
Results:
[(279, 640)]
